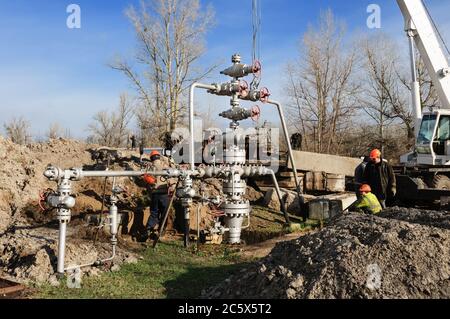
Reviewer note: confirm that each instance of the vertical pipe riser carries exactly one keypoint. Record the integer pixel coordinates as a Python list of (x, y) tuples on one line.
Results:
[(61, 246), (113, 216), (186, 227)]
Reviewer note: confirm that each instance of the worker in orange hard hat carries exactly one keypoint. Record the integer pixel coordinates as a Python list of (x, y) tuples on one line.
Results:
[(155, 155), (381, 178), (375, 155), (367, 203), (159, 188)]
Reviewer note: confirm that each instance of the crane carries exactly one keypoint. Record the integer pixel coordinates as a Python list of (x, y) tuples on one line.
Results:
[(428, 167), (431, 149)]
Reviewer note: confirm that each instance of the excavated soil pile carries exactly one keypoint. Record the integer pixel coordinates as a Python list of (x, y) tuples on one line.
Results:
[(21, 172), (27, 240), (421, 217), (30, 255), (356, 256)]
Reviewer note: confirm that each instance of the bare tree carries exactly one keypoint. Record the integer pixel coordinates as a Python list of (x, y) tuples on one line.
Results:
[(54, 131), (388, 89), (102, 129), (321, 85), (122, 121), (18, 131), (170, 35), (401, 104), (111, 128), (381, 84), (359, 140)]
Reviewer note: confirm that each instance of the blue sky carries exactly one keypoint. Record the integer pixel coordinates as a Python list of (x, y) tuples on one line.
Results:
[(50, 73)]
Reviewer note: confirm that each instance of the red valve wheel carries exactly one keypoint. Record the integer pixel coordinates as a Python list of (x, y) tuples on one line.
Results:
[(256, 113), (243, 88), (264, 95), (257, 67), (43, 199)]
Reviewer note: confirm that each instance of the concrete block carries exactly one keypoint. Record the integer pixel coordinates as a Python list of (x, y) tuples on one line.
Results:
[(330, 164), (329, 206)]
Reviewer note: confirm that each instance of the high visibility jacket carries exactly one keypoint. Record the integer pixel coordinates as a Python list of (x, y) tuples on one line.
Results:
[(368, 204)]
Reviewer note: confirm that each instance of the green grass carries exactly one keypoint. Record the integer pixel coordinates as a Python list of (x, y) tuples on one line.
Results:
[(170, 271), (268, 221)]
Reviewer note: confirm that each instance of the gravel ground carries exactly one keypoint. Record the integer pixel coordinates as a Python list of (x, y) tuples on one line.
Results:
[(356, 256)]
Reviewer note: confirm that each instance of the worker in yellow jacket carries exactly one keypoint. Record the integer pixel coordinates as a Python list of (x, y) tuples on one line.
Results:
[(368, 203)]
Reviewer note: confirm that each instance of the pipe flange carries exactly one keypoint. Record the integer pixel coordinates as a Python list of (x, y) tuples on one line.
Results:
[(237, 209), (63, 215), (235, 187), (235, 157)]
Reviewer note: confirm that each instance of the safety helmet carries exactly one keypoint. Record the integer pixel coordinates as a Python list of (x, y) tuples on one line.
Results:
[(375, 154), (365, 188), (154, 155), (149, 179)]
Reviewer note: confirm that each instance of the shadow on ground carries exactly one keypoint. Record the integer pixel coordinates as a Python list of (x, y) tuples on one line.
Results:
[(190, 284)]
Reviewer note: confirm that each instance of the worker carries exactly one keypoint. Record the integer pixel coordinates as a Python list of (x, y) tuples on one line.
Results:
[(359, 174), (381, 178), (141, 149), (367, 203), (296, 141), (159, 188), (133, 142)]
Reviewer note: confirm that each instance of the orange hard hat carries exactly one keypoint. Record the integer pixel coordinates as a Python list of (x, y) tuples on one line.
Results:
[(365, 188), (149, 179), (375, 154), (154, 153)]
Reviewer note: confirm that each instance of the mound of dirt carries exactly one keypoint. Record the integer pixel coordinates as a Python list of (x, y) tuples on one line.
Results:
[(438, 219), (356, 256), (21, 172), (28, 243), (29, 255)]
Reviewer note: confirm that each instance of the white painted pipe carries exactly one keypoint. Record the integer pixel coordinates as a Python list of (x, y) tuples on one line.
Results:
[(113, 255), (280, 197), (288, 142), (113, 220), (61, 246), (113, 229), (124, 173), (248, 223)]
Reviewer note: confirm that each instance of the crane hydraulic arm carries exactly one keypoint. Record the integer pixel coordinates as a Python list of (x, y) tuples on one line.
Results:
[(419, 26)]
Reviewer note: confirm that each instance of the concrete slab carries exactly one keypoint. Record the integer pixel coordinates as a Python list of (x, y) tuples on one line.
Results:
[(330, 164), (325, 207)]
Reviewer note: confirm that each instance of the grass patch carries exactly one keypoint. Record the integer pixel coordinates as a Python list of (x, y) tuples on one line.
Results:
[(267, 224), (170, 271)]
